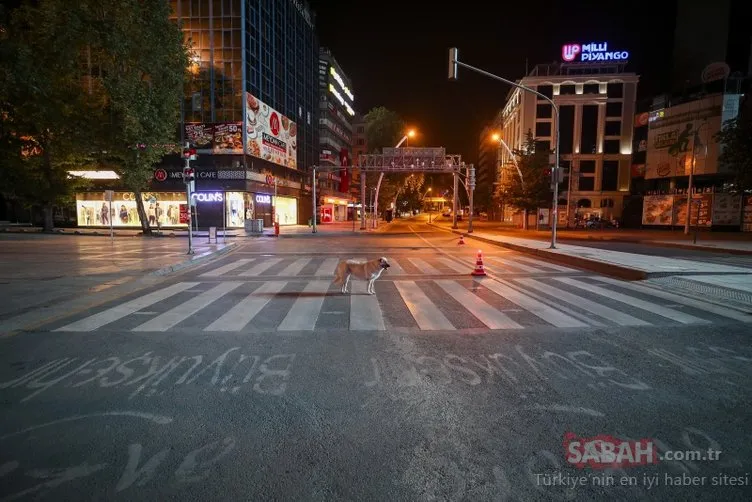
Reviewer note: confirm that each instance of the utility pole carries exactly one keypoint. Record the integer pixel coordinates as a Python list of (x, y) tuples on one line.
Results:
[(189, 154)]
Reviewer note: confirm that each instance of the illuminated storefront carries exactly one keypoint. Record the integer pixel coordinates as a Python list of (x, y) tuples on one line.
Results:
[(333, 209), (162, 209), (287, 210)]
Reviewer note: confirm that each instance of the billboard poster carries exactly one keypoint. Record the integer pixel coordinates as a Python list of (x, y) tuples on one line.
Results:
[(701, 205), (271, 136), (747, 223), (726, 209), (681, 134), (217, 138), (658, 210)]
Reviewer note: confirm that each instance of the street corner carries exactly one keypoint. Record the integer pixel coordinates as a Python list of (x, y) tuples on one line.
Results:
[(200, 256)]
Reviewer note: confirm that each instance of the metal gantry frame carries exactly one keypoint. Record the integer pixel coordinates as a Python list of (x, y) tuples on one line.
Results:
[(405, 163)]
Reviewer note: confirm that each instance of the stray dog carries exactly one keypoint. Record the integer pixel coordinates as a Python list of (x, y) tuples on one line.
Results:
[(362, 270)]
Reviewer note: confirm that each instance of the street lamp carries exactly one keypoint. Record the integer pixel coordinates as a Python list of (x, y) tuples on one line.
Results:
[(410, 134), (429, 207), (454, 62), (497, 137)]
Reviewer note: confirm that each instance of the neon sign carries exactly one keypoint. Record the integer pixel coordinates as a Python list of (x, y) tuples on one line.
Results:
[(341, 83), (594, 51), (208, 197), (341, 99), (263, 199)]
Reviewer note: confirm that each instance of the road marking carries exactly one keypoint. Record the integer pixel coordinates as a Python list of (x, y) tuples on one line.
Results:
[(305, 311), (425, 313), (259, 268), (510, 264), (227, 268), (698, 304), (424, 267), (598, 309), (455, 266), (484, 312), (674, 315), (295, 267), (535, 307), (241, 314), (175, 315), (328, 266), (365, 311), (115, 313), (545, 264), (395, 268)]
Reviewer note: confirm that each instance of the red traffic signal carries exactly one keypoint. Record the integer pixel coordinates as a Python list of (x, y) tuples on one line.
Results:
[(547, 172), (188, 174), (189, 153)]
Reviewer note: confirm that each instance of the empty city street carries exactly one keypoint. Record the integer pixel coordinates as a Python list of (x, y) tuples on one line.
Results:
[(252, 377)]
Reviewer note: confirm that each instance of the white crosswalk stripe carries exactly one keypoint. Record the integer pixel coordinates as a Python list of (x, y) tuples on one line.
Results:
[(395, 268), (544, 264), (512, 264), (424, 267), (440, 304), (457, 267), (327, 267)]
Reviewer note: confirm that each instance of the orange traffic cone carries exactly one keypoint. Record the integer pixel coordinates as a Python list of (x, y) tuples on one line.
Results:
[(479, 270), (462, 241)]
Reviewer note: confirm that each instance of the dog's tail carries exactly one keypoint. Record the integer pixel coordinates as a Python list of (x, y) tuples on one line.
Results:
[(339, 275)]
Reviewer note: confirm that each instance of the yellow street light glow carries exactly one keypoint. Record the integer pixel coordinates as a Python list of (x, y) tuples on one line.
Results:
[(411, 133), (496, 136)]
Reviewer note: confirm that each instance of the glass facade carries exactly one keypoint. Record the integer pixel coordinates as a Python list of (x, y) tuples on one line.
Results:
[(162, 209)]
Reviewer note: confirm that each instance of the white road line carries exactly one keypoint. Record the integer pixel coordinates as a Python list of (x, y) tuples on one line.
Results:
[(425, 313), (535, 307), (511, 264), (698, 304), (227, 268), (295, 267), (463, 269), (328, 266), (175, 315), (395, 268), (476, 306), (598, 309), (365, 311), (241, 314), (259, 268), (545, 264), (424, 267), (305, 311), (115, 313), (674, 315)]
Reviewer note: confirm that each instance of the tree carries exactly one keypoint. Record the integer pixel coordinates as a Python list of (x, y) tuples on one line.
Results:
[(736, 138), (535, 190), (43, 114), (141, 63)]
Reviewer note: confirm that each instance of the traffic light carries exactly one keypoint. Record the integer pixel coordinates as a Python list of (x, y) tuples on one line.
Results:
[(453, 55), (547, 172), (188, 174), (189, 154)]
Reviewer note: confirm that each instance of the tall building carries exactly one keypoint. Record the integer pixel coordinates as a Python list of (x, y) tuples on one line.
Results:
[(485, 171), (251, 111), (596, 101), (336, 115)]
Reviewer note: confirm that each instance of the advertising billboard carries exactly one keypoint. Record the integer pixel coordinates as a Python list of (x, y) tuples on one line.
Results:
[(217, 138), (681, 133), (270, 135)]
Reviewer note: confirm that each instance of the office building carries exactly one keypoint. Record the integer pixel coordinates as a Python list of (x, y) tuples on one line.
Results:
[(596, 97), (485, 172)]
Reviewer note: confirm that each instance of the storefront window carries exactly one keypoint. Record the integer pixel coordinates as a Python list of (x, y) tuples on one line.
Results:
[(235, 207), (287, 210), (162, 208)]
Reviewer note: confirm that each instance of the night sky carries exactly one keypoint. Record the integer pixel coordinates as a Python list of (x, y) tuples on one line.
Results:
[(395, 53)]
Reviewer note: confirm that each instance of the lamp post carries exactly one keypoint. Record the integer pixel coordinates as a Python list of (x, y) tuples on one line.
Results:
[(405, 138), (429, 208), (454, 62)]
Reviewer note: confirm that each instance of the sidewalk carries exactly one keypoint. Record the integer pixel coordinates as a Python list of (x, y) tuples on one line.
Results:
[(725, 242), (615, 263)]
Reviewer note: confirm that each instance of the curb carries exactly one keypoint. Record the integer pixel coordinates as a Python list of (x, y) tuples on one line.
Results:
[(618, 271), (194, 261)]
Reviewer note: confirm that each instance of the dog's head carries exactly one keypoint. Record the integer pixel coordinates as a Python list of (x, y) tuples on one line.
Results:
[(384, 263)]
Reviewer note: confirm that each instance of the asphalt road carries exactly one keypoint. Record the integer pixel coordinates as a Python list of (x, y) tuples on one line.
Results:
[(250, 378)]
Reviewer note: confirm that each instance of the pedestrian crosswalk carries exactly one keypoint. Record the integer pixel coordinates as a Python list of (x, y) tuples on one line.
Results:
[(422, 305)]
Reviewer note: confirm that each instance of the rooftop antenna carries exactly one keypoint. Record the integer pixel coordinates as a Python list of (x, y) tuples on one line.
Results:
[(525, 66)]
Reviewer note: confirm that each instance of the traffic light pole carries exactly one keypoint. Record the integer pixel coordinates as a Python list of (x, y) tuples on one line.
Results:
[(187, 175)]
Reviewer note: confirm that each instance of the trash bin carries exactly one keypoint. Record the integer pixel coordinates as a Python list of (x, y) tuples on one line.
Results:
[(310, 222)]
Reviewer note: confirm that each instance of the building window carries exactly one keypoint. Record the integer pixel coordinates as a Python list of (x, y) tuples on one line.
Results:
[(610, 175), (589, 136), (564, 165), (607, 203), (542, 129), (587, 167), (567, 89), (543, 111), (587, 184), (611, 146), (613, 128), (591, 89), (615, 90), (584, 203), (546, 90), (542, 146), (566, 129), (613, 109)]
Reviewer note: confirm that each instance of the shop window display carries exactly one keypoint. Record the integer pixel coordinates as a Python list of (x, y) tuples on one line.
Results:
[(286, 210), (93, 210), (235, 206)]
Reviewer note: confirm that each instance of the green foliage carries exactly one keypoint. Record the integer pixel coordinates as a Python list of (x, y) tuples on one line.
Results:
[(535, 191), (384, 128), (736, 138)]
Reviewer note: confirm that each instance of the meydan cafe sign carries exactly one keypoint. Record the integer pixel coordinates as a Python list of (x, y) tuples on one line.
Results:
[(591, 52)]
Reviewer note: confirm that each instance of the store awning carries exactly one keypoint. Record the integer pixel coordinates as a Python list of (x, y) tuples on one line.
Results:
[(95, 175), (328, 199)]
